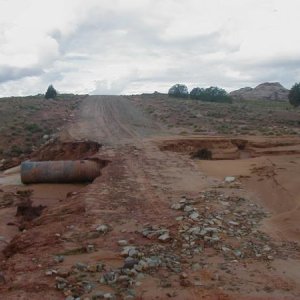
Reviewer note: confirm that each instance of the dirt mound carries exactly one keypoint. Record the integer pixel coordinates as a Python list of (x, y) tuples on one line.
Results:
[(66, 150)]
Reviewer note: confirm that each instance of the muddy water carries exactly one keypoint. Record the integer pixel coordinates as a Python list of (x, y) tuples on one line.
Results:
[(43, 194)]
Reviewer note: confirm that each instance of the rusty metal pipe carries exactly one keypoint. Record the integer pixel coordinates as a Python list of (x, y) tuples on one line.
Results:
[(66, 171)]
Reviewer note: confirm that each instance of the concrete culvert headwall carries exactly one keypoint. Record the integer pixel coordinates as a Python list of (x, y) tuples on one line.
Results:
[(60, 171)]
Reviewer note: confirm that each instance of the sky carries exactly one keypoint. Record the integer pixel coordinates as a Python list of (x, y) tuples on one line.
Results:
[(142, 46)]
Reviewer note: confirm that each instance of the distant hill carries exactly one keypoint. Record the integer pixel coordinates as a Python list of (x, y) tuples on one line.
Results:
[(264, 91)]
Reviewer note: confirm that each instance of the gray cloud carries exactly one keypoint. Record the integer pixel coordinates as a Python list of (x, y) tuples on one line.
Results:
[(113, 47), (8, 73)]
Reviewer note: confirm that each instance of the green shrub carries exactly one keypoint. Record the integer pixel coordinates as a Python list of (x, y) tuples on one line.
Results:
[(212, 94), (51, 92), (179, 91), (16, 150), (33, 127), (294, 95)]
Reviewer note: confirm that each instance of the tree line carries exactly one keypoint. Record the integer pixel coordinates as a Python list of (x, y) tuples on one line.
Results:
[(216, 94), (213, 94)]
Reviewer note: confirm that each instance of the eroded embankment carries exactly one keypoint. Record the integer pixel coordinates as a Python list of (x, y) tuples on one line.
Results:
[(66, 151), (219, 148)]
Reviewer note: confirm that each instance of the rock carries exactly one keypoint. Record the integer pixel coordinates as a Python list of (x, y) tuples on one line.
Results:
[(194, 216), (88, 287), (61, 283), (129, 251), (90, 248), (144, 265), (81, 266), (237, 253), (59, 258), (70, 298), (188, 208), (267, 249), (102, 228), (233, 223), (225, 249), (130, 263), (164, 237), (196, 231), (100, 267), (92, 268), (177, 206), (109, 296), (153, 261), (229, 179), (110, 277), (122, 243), (49, 273), (183, 276), (64, 273)]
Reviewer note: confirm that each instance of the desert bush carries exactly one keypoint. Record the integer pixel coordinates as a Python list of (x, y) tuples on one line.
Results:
[(33, 127), (294, 95), (16, 150), (51, 92), (179, 91), (212, 94)]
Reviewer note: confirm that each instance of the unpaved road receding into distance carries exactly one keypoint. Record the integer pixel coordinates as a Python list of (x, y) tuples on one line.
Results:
[(112, 120)]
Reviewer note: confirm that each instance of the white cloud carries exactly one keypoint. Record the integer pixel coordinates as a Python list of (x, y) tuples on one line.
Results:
[(117, 46)]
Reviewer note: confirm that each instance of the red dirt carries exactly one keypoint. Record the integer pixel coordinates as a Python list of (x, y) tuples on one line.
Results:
[(66, 151)]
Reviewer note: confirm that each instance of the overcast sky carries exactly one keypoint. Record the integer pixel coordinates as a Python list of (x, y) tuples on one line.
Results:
[(127, 46)]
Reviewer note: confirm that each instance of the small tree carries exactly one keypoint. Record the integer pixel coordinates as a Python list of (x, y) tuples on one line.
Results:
[(294, 95), (51, 92), (179, 91)]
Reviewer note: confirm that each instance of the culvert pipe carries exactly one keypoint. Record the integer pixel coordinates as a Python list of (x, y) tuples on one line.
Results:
[(65, 171)]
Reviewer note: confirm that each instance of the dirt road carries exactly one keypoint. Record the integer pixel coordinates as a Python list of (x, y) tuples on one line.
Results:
[(153, 226), (112, 120)]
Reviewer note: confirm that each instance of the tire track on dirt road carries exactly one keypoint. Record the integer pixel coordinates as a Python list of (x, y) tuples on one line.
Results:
[(111, 120)]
